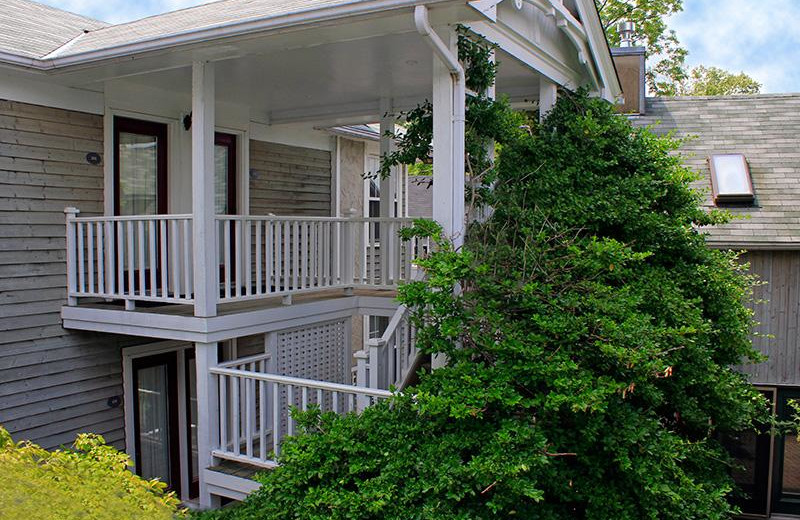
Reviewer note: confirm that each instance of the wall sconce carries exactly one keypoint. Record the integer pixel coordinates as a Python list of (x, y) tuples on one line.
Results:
[(187, 121)]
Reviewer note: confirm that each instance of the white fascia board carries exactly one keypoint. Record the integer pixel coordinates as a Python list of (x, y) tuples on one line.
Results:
[(39, 91), (528, 53), (596, 38), (203, 35)]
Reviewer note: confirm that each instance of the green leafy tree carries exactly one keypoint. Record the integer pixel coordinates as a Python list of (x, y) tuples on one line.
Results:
[(589, 346), (668, 74), (90, 481), (713, 81)]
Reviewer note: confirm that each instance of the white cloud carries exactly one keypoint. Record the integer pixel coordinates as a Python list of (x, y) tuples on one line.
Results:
[(759, 38)]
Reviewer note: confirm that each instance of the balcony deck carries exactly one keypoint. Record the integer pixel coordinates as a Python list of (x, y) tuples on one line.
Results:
[(234, 319)]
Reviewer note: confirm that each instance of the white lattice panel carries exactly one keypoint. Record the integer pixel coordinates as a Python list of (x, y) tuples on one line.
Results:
[(318, 352), (315, 352)]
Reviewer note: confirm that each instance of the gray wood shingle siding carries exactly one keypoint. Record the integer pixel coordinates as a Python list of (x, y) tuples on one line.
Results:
[(777, 316), (54, 383), (766, 129), (289, 180)]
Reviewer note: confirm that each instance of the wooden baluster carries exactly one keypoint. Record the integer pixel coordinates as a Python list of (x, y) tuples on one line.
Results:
[(90, 257), (131, 258), (258, 263), (276, 419), (175, 252), (162, 244), (226, 251), (151, 239), (304, 398), (262, 420), (237, 415), (110, 258), (223, 412), (269, 251), (120, 241), (237, 248), (249, 407), (140, 246), (289, 404), (188, 277), (295, 255), (304, 255), (81, 272), (287, 251), (101, 265)]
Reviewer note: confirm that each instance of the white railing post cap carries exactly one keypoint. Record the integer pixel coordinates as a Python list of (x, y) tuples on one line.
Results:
[(71, 211), (361, 354)]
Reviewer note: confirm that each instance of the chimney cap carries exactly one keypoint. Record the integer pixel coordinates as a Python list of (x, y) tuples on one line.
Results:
[(626, 30)]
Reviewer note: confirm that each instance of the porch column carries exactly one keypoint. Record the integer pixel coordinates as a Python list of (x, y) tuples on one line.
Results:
[(548, 92), (207, 414), (204, 226), (448, 142), (388, 188)]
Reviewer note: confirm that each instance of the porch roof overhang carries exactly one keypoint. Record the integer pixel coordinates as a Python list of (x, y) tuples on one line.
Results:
[(331, 64)]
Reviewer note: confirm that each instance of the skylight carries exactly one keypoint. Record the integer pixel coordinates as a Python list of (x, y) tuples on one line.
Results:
[(730, 179)]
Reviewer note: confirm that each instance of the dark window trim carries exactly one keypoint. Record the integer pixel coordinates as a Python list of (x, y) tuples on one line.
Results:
[(159, 131), (170, 359), (229, 141)]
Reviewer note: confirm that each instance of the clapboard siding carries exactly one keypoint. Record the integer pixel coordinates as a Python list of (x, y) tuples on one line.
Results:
[(54, 383), (289, 180), (777, 315)]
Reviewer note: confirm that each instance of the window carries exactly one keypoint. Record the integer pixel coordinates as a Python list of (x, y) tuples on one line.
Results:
[(225, 174), (730, 179), (377, 326)]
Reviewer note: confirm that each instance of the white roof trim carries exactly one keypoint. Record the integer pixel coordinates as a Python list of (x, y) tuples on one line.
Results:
[(205, 34)]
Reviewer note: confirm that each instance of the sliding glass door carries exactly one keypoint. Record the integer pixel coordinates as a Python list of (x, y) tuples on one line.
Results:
[(155, 409)]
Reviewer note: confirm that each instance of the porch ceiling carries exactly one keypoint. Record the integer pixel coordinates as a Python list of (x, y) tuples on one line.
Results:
[(338, 82)]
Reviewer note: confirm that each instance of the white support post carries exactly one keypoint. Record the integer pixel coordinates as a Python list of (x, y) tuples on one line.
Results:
[(548, 92), (206, 287), (207, 414), (448, 144), (72, 260), (388, 189)]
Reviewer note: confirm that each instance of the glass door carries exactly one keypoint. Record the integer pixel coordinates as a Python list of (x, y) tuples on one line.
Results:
[(786, 476), (140, 187), (155, 410), (752, 452)]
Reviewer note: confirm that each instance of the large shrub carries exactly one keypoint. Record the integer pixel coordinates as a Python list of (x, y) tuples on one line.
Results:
[(90, 481), (590, 343)]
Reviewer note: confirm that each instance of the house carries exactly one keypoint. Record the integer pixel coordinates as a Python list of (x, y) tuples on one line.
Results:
[(187, 244), (747, 152)]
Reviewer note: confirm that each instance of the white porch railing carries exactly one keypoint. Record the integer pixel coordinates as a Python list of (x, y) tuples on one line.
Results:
[(150, 258), (145, 258), (270, 255), (389, 361), (254, 409)]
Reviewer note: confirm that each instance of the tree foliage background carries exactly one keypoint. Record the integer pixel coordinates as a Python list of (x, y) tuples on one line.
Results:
[(91, 481), (668, 74), (590, 342)]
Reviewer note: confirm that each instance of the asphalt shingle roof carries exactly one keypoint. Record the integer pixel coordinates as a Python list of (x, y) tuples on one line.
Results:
[(34, 30), (766, 129)]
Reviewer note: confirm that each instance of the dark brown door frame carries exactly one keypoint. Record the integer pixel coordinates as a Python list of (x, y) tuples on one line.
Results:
[(157, 130), (229, 141), (194, 483), (170, 359)]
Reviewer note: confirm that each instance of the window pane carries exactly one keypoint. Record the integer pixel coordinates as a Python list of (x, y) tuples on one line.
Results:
[(221, 179), (374, 188), (153, 420), (791, 465), (138, 174), (731, 175)]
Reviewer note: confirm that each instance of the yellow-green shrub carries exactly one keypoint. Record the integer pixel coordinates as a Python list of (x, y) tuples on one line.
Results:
[(90, 481)]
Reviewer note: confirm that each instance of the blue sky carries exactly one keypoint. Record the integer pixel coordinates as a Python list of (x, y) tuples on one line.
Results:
[(759, 38)]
